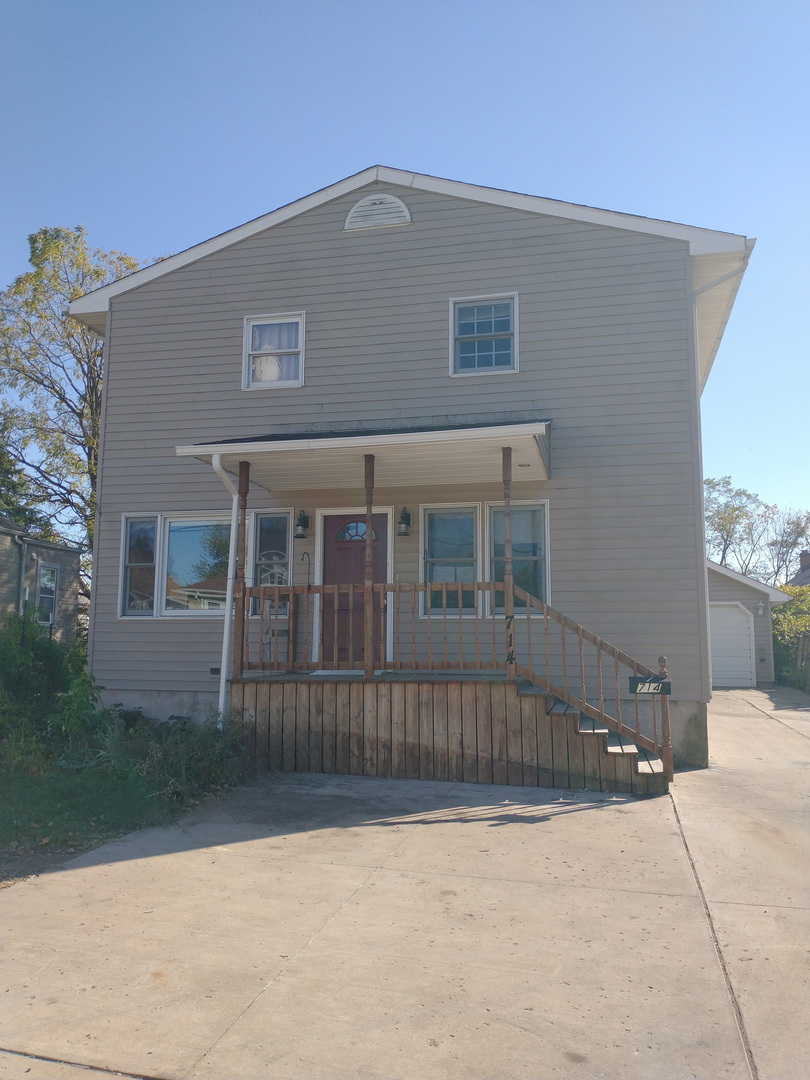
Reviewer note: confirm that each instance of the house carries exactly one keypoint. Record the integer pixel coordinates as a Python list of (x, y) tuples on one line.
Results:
[(39, 576), (802, 575), (740, 625), (438, 448)]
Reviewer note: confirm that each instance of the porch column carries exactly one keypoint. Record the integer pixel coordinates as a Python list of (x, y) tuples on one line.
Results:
[(368, 580), (239, 584), (508, 576)]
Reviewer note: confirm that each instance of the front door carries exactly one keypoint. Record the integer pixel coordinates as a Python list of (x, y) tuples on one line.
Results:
[(344, 563)]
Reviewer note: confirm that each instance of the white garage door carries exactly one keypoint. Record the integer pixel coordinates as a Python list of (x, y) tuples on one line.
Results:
[(732, 645)]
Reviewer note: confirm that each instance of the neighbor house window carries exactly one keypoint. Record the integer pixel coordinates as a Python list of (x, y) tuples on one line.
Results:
[(274, 351), (196, 565), (528, 551), (47, 583), (450, 554), (139, 566), (483, 335)]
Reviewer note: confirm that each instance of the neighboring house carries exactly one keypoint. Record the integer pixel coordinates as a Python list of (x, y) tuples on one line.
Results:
[(39, 576), (741, 632), (802, 575), (376, 402)]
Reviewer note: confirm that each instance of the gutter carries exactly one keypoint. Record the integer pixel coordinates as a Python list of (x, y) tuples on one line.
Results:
[(21, 584), (216, 465)]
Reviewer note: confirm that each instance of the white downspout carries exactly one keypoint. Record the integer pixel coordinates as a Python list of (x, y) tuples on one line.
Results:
[(216, 465)]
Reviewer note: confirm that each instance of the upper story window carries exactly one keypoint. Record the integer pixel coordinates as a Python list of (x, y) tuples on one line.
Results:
[(484, 338), (274, 351)]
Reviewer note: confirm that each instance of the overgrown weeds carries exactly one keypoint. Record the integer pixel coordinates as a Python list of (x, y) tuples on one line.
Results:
[(75, 774)]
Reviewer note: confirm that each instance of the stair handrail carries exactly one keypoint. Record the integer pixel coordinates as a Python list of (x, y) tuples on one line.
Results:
[(661, 747)]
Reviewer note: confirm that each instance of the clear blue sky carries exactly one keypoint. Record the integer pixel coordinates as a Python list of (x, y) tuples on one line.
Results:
[(160, 123)]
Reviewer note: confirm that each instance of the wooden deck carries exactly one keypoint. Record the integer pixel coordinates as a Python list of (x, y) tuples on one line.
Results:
[(476, 730)]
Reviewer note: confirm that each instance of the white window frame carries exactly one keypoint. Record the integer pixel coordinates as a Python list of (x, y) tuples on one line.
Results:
[(48, 566), (496, 504), (216, 517), (122, 565), (285, 317), (424, 508), (253, 527), (162, 522), (487, 298)]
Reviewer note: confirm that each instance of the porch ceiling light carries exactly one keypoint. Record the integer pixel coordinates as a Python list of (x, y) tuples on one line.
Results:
[(404, 523), (301, 526)]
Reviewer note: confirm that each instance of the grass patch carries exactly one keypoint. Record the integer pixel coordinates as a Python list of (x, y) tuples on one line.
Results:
[(58, 810)]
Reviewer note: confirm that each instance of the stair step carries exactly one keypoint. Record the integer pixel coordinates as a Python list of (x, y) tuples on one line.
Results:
[(526, 687), (587, 726), (559, 708), (617, 744), (649, 763)]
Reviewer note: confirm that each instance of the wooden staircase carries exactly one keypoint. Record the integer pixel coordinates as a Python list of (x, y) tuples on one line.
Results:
[(598, 758)]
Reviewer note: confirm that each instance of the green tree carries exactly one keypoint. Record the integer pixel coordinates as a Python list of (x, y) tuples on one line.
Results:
[(750, 536), (788, 533), (791, 637), (51, 371), (16, 497)]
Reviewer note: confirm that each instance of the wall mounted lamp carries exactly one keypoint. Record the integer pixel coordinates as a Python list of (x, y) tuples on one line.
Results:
[(761, 607), (301, 526), (404, 523)]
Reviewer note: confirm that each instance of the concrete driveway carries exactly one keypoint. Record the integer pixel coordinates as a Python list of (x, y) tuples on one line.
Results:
[(342, 927)]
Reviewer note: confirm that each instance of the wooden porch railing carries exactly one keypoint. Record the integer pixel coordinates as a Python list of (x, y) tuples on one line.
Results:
[(296, 628)]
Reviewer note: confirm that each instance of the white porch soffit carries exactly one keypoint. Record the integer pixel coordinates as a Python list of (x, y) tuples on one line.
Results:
[(401, 459)]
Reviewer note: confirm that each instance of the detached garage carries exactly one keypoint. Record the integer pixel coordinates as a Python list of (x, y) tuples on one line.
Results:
[(740, 626)]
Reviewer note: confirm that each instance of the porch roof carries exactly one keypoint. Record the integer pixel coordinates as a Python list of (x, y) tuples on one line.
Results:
[(404, 458)]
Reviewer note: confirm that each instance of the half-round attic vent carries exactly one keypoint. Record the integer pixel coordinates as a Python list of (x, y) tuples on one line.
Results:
[(377, 210)]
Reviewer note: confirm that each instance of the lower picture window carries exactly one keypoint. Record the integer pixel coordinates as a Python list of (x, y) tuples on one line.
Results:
[(174, 566), (197, 565), (178, 565)]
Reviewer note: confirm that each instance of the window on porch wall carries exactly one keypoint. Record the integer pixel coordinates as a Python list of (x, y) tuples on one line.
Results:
[(450, 555), (271, 559), (528, 552)]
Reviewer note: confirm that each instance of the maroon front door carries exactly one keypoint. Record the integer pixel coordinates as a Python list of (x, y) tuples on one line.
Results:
[(344, 563)]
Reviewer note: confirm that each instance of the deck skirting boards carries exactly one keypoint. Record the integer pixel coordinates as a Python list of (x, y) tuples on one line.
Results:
[(479, 732)]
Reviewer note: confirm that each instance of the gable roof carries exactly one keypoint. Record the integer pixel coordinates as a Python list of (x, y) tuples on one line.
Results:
[(718, 258), (7, 525), (776, 596)]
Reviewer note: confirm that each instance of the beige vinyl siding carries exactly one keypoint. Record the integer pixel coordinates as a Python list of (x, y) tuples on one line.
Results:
[(605, 353), (723, 590)]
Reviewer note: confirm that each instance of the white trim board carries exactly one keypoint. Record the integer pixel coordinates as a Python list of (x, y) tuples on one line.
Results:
[(776, 596), (89, 307)]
